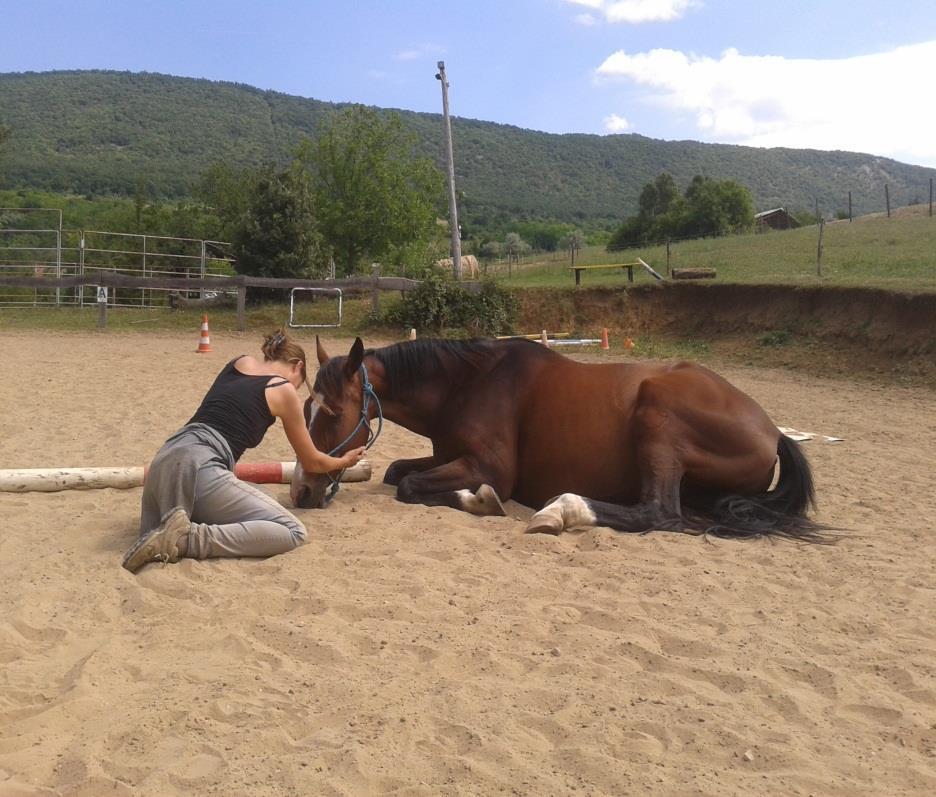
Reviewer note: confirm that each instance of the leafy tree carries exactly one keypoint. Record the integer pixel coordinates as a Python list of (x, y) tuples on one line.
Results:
[(490, 250), (543, 236), (709, 207), (715, 207), (658, 197), (5, 135), (376, 199), (277, 234), (515, 246), (224, 191), (573, 242)]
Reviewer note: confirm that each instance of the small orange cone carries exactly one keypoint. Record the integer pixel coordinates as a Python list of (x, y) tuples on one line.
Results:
[(604, 339), (204, 343), (628, 344)]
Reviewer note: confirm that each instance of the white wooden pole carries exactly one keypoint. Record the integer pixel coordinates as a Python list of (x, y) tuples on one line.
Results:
[(50, 480)]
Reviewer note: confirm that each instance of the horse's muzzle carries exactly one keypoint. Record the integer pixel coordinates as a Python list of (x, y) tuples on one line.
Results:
[(309, 494)]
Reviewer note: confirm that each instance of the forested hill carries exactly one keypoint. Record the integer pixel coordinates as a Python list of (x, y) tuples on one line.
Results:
[(94, 132)]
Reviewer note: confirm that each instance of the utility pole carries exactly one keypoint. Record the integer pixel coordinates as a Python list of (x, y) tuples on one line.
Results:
[(453, 208)]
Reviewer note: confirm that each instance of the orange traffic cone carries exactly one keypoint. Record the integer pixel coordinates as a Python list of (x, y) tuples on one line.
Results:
[(628, 344), (204, 343), (604, 339)]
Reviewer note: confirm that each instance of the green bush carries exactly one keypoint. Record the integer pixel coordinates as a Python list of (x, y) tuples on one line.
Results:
[(440, 304)]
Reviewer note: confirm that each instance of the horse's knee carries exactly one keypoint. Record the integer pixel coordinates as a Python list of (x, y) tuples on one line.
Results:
[(406, 491), (394, 473)]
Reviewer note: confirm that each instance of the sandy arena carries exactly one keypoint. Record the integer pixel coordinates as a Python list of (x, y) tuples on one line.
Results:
[(423, 651)]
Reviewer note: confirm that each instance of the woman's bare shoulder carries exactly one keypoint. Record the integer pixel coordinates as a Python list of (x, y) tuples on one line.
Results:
[(251, 366)]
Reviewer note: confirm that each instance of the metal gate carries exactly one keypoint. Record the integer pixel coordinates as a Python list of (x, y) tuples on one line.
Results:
[(53, 252), (314, 291)]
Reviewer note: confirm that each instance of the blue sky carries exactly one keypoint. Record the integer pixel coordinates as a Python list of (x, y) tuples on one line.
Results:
[(827, 74)]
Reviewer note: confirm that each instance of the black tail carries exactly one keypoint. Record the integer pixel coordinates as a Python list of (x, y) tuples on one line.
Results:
[(780, 512)]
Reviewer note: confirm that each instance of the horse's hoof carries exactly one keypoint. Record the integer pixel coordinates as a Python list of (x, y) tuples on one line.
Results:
[(547, 521), (483, 502), (563, 512), (489, 498)]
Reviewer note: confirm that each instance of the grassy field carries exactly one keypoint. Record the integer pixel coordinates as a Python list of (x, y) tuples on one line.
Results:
[(897, 253)]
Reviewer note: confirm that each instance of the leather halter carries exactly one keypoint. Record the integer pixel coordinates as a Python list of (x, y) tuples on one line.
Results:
[(367, 393)]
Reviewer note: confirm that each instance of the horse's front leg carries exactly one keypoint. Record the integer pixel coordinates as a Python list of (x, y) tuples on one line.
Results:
[(462, 484), (403, 467)]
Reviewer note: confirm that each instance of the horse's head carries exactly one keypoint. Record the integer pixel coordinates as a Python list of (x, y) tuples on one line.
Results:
[(337, 416)]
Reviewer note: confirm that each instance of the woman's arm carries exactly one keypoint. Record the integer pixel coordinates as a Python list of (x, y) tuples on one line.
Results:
[(285, 404)]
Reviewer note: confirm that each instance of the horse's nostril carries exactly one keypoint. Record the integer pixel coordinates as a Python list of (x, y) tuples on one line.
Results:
[(300, 497)]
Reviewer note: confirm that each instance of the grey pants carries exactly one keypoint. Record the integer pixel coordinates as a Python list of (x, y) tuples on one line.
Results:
[(194, 470)]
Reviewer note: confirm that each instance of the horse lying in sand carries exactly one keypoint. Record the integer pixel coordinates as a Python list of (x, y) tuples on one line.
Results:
[(632, 446)]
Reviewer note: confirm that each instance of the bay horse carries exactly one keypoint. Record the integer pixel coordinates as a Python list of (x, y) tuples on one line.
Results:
[(632, 446)]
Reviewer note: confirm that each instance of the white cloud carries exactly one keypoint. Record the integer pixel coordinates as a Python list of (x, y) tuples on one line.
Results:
[(616, 124), (635, 12), (420, 51), (870, 103), (586, 19)]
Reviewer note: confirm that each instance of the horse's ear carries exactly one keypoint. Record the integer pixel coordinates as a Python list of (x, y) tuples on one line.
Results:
[(320, 351), (355, 358)]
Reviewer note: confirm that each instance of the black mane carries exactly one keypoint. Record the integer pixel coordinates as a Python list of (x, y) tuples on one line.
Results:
[(412, 361)]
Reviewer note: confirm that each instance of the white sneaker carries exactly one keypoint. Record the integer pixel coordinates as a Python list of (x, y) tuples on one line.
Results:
[(161, 544)]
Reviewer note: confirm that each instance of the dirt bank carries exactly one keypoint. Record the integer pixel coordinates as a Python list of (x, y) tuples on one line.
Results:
[(854, 330)]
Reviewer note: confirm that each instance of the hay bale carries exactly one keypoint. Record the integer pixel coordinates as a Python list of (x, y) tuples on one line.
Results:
[(469, 266), (693, 273)]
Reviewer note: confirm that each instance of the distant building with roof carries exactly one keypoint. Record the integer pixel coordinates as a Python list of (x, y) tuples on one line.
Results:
[(776, 219)]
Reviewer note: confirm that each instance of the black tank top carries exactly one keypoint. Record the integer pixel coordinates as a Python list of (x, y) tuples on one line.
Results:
[(236, 408)]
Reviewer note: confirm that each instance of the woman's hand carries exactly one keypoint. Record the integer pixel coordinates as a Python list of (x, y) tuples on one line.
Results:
[(352, 457)]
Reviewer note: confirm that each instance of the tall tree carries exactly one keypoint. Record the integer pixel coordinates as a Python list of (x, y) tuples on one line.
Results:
[(5, 135), (709, 207), (716, 207), (375, 198), (573, 242), (225, 192), (277, 235), (657, 197)]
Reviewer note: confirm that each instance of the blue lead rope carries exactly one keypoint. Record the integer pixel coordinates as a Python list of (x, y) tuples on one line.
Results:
[(367, 391)]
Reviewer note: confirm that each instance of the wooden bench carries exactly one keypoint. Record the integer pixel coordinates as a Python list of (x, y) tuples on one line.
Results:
[(579, 269), (629, 266)]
